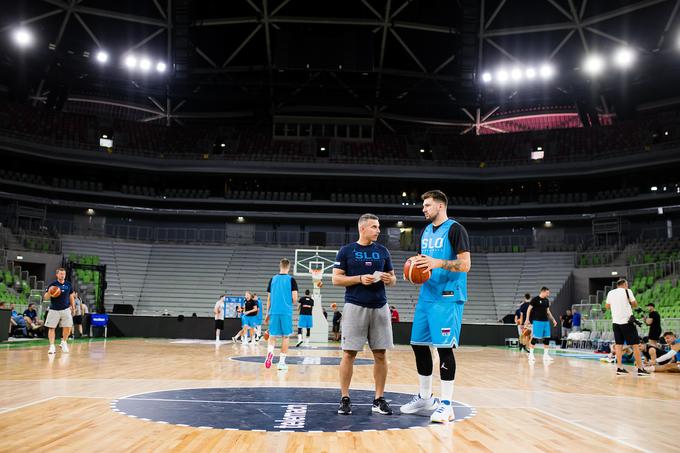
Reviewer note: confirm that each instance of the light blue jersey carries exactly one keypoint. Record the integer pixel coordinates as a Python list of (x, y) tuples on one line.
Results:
[(439, 312), (280, 289), (443, 285)]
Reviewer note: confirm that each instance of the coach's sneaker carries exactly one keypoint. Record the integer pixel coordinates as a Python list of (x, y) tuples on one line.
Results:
[(52, 349), (531, 357), (298, 344), (643, 373), (345, 406), (381, 406), (443, 414), (64, 346), (418, 404), (621, 372), (234, 339), (268, 361), (282, 366)]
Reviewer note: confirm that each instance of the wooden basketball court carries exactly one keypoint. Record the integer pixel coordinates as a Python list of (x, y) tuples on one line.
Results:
[(71, 402)]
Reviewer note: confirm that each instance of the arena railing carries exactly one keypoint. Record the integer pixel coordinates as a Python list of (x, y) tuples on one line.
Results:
[(557, 157), (658, 270), (278, 238)]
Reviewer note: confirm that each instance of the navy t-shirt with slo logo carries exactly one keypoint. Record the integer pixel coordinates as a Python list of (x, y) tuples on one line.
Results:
[(64, 300), (357, 259)]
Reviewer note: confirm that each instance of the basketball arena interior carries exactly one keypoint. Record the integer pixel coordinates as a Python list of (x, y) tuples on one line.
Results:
[(162, 161)]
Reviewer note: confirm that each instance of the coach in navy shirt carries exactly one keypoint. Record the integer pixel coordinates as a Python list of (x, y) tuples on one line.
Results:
[(62, 306), (364, 268)]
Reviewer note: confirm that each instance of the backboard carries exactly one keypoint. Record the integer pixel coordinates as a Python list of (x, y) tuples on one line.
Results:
[(307, 260)]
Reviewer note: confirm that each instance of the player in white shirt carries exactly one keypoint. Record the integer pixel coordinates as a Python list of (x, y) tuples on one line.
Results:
[(219, 316)]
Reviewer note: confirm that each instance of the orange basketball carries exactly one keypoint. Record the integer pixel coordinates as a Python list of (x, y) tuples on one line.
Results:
[(266, 335), (54, 291), (334, 306), (413, 274)]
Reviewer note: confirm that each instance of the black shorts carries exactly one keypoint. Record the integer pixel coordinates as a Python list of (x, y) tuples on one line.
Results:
[(626, 333), (78, 320), (336, 327), (654, 334), (219, 324)]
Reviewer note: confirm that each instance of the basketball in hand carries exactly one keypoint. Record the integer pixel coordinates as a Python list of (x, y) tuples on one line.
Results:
[(413, 274), (54, 291)]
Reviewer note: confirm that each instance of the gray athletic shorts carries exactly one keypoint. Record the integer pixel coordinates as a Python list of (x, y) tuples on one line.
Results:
[(361, 324), (54, 317)]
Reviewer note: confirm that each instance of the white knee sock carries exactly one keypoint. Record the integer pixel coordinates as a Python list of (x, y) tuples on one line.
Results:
[(282, 358), (270, 348), (425, 386), (447, 391)]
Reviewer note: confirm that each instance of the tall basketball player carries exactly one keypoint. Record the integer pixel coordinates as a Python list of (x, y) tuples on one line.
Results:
[(444, 249), (282, 293)]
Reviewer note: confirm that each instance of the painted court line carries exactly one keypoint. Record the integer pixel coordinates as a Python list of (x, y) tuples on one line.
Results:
[(11, 409), (594, 431)]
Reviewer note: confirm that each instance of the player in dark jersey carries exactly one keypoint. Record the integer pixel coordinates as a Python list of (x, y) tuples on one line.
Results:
[(539, 316), (305, 319)]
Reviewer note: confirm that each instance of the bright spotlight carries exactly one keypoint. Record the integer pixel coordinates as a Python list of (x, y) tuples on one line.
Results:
[(546, 71), (502, 76), (102, 56), (593, 64), (160, 67), (624, 57), (486, 77), (516, 74), (22, 37), (144, 64), (530, 73), (131, 61)]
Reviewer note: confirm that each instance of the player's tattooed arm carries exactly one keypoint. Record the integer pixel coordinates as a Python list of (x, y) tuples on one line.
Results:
[(462, 264)]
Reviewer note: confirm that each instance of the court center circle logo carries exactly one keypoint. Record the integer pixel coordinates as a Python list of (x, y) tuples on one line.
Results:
[(273, 409)]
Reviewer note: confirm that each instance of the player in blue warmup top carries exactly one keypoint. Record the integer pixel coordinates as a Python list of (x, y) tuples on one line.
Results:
[(282, 293), (444, 249), (364, 268)]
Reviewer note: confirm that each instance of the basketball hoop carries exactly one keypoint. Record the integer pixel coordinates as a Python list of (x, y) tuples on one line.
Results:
[(317, 275)]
